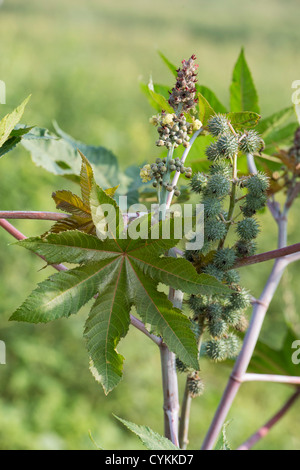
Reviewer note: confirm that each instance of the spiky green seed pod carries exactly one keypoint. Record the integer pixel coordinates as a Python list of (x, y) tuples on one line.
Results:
[(233, 346), (214, 271), (251, 143), (218, 125), (232, 277), (253, 204), (240, 300), (222, 167), (198, 304), (217, 329), (181, 367), (212, 207), (231, 317), (195, 385), (214, 311), (216, 349), (248, 228), (242, 325), (198, 182), (214, 230), (212, 152), (257, 184), (218, 186), (245, 248), (227, 145), (225, 259)]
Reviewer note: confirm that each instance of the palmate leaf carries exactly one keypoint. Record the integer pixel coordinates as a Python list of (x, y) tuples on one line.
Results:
[(81, 217), (124, 272)]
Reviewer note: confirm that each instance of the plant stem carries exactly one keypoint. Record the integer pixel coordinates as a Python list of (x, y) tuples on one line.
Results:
[(183, 159), (185, 418), (264, 430), (33, 215), (168, 359), (232, 201), (187, 401), (282, 379), (269, 255), (19, 236)]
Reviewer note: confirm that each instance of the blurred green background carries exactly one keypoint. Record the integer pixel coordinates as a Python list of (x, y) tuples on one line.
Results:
[(82, 61)]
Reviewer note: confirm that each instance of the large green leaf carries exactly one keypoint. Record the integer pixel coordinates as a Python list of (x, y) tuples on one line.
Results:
[(205, 109), (212, 99), (243, 120), (124, 272), (169, 64), (243, 95), (274, 122), (269, 360), (8, 123), (151, 439)]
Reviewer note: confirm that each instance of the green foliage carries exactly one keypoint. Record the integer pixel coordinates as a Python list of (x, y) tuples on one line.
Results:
[(124, 272), (223, 443), (243, 92), (152, 440), (8, 123)]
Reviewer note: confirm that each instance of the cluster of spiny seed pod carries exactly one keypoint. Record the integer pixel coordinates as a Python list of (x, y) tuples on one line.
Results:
[(183, 95), (173, 130), (229, 143), (222, 316)]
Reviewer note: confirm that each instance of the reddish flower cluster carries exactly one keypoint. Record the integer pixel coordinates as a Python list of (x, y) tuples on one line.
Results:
[(182, 96)]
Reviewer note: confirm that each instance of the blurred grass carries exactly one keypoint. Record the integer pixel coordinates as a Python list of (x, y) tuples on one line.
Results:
[(83, 61)]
